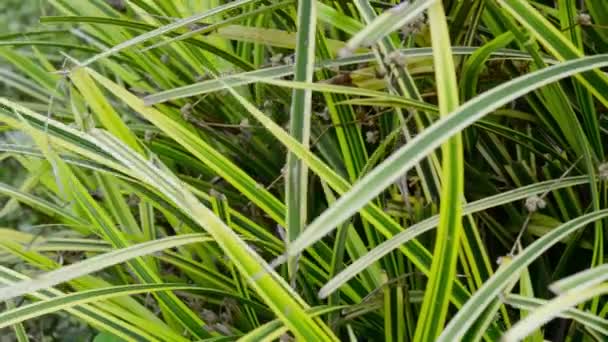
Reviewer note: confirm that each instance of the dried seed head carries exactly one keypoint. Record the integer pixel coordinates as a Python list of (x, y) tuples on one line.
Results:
[(276, 59), (583, 19), (133, 200), (289, 59), (533, 203), (395, 57), (345, 52), (267, 104), (602, 171), (281, 232), (372, 136), (380, 72), (222, 329), (226, 317), (415, 26), (209, 316), (186, 109), (148, 136)]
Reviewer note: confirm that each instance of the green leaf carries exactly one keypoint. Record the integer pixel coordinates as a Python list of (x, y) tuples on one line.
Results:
[(443, 269)]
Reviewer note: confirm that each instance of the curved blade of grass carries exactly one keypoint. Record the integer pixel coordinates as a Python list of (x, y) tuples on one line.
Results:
[(281, 71), (424, 226), (474, 65), (581, 280), (164, 29), (407, 156), (346, 90), (443, 269), (296, 181), (386, 23), (550, 310), (585, 318), (63, 302), (474, 307), (88, 313), (48, 208), (214, 26), (97, 263), (104, 112), (226, 55), (78, 142)]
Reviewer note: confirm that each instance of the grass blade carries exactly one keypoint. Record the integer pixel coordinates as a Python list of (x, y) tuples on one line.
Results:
[(443, 269), (296, 184), (550, 310), (97, 263)]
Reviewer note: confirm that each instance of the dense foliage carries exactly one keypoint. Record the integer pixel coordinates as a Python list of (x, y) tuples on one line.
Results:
[(177, 170)]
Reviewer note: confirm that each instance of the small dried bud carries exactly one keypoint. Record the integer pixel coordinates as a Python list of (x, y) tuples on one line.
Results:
[(289, 59), (345, 52), (133, 200), (209, 316), (186, 109), (533, 203), (222, 329), (276, 59), (267, 104), (324, 114), (148, 136), (396, 57), (583, 19), (281, 232)]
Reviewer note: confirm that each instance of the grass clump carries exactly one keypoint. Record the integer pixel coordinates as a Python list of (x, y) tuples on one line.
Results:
[(254, 170)]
